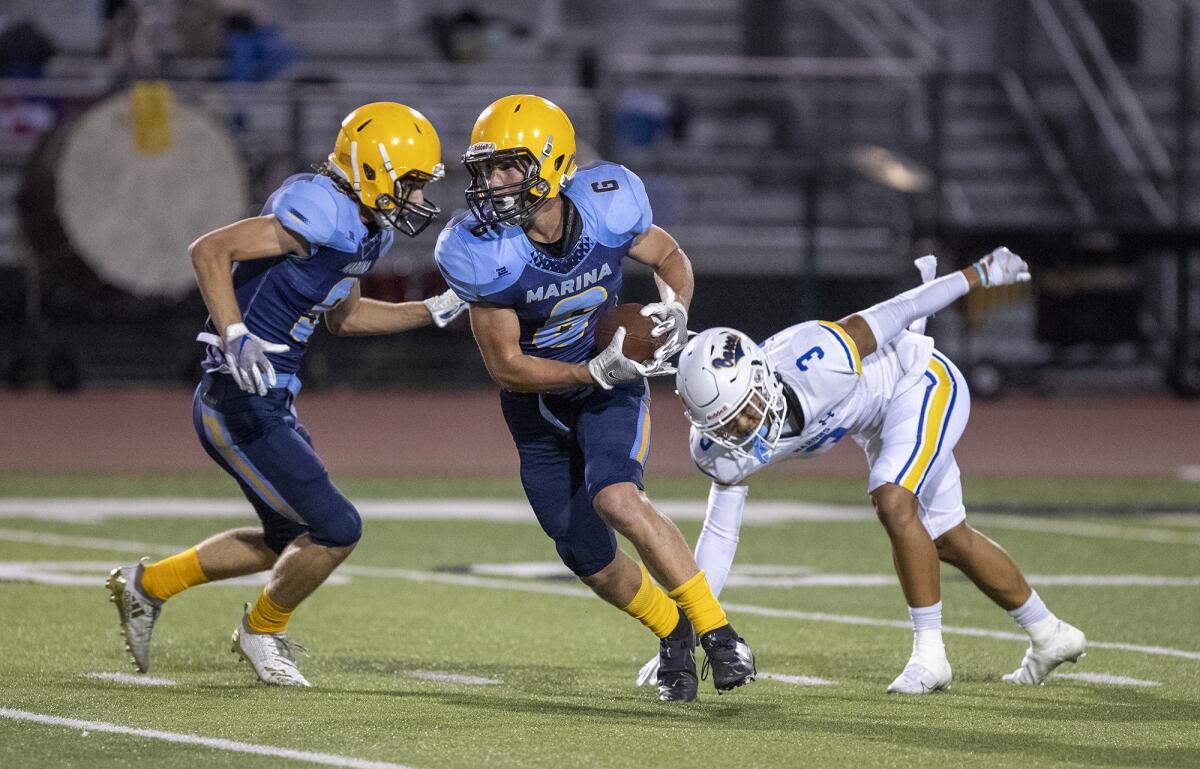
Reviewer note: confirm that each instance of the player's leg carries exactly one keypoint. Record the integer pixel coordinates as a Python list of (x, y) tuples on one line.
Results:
[(918, 434), (261, 440), (1051, 640), (552, 473), (139, 590), (913, 552), (613, 431)]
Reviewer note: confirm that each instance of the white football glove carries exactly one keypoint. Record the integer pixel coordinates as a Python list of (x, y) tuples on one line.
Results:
[(1002, 268), (649, 672), (445, 307), (246, 355), (610, 367), (672, 319)]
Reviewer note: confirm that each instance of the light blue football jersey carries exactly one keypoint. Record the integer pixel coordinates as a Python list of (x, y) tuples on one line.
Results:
[(557, 299), (283, 298)]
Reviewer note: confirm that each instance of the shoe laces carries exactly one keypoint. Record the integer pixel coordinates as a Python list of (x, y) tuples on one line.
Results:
[(286, 649)]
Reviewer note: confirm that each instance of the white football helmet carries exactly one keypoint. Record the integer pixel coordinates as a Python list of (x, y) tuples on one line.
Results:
[(730, 394)]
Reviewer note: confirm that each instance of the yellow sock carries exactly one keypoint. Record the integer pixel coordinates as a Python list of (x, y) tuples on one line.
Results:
[(653, 608), (173, 575), (268, 616), (696, 599)]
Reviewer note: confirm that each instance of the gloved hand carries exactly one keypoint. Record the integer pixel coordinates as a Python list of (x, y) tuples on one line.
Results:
[(649, 672), (246, 355), (610, 367), (445, 307), (1002, 268), (672, 319)]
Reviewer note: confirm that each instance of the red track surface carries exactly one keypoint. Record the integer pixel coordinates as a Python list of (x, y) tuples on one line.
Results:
[(405, 432)]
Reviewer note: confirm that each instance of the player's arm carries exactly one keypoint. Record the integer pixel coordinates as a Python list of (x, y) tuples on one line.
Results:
[(673, 274), (656, 249), (718, 540), (213, 256), (358, 316), (498, 334), (882, 323)]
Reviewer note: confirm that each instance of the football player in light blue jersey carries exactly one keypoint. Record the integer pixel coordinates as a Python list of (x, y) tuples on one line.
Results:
[(267, 282), (538, 256)]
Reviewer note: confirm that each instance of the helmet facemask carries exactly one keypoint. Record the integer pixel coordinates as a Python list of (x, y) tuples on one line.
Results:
[(753, 427), (399, 212), (505, 205)]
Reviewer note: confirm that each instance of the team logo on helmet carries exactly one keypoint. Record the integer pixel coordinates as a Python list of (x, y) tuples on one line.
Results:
[(731, 352)]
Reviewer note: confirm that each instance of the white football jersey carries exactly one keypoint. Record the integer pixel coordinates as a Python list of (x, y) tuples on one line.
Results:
[(839, 393)]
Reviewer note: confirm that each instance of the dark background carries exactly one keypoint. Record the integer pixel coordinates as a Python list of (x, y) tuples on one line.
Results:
[(803, 152)]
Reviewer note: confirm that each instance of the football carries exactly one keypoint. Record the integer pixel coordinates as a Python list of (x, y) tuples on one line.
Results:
[(639, 345)]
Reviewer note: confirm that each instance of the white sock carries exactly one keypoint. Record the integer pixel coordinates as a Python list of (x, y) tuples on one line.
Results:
[(927, 630), (1034, 618)]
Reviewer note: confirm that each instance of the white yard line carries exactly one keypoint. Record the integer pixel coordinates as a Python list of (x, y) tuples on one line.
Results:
[(233, 746), (130, 678), (452, 678), (92, 573), (796, 680), (1106, 678), (467, 580), (1085, 529), (86, 510)]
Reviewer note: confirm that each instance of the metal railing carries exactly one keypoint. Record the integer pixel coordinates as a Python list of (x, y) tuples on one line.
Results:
[(1127, 158), (1048, 149)]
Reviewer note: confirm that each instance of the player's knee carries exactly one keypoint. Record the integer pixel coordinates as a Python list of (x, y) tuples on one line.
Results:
[(622, 506), (953, 545), (279, 532), (587, 562), (895, 506), (340, 527)]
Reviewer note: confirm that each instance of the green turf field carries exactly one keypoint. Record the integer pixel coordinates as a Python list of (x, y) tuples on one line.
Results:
[(424, 598)]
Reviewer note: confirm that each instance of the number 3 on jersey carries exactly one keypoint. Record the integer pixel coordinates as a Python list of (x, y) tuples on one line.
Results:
[(307, 324), (802, 361), (569, 318)]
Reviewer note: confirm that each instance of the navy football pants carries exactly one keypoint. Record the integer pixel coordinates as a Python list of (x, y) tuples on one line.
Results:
[(571, 447), (258, 441)]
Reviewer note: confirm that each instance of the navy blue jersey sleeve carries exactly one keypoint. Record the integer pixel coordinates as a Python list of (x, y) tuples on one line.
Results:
[(308, 210), (454, 260)]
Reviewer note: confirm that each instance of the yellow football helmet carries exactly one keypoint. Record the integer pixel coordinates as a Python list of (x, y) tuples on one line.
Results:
[(384, 152), (535, 134)]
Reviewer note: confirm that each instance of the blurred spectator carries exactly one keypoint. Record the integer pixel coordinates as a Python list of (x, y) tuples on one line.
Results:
[(642, 118), (254, 51), (470, 36), (24, 50), (200, 28), (133, 38)]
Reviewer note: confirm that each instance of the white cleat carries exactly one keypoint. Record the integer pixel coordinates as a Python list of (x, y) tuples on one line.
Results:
[(270, 654), (1066, 644), (137, 612), (922, 676)]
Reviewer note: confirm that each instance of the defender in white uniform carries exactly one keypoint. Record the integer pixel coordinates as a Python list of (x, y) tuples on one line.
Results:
[(906, 404)]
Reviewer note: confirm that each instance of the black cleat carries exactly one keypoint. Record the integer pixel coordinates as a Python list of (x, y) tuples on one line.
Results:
[(730, 658), (677, 680)]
